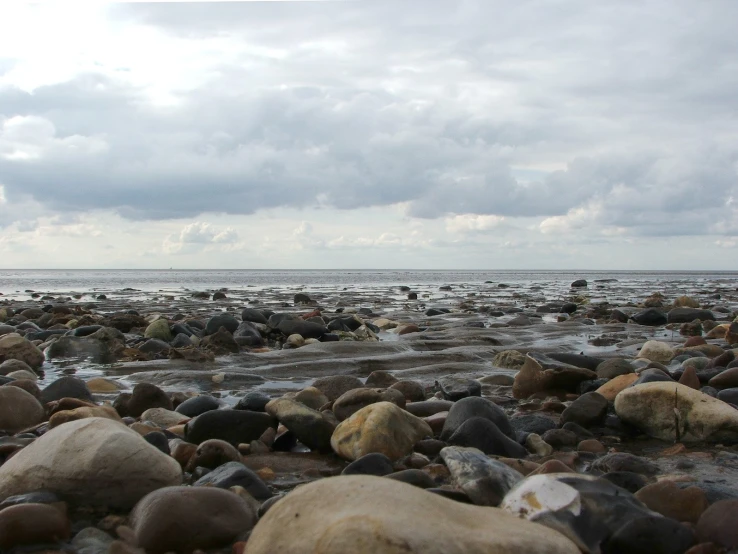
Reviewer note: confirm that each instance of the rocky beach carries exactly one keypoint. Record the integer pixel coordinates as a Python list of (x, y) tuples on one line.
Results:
[(595, 414)]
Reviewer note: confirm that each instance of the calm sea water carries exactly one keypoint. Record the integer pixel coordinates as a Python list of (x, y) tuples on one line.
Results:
[(16, 282)]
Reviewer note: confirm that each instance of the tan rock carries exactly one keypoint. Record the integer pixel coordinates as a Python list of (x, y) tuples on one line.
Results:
[(375, 515), (102, 385), (656, 351), (541, 374), (18, 409), (381, 427), (15, 347), (611, 389), (83, 412)]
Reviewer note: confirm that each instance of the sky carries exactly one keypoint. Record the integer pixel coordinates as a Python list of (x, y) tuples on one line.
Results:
[(480, 134)]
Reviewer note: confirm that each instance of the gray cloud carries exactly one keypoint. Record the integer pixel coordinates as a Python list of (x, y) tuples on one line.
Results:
[(438, 105)]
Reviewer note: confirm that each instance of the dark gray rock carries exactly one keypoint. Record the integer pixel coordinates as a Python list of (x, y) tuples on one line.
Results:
[(375, 463), (587, 410), (651, 317), (193, 407), (307, 329), (235, 474), (650, 535), (455, 388), (484, 480), (234, 426), (686, 315), (483, 434), (255, 401), (254, 316), (474, 406), (66, 387), (221, 320), (533, 423)]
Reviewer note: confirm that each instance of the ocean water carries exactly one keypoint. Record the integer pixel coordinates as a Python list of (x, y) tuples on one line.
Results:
[(15, 283)]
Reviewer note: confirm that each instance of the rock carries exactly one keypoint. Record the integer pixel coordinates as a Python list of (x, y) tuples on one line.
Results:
[(611, 389), (690, 379), (586, 509), (411, 390), (484, 480), (540, 373), (15, 347), (91, 461), (220, 342), (370, 464), (23, 375), (468, 408), (686, 302), (368, 431), (483, 434), (312, 398), (656, 351), (145, 396), (725, 379), (66, 387), (18, 409), (254, 401), (414, 477), (666, 498), (159, 329), (380, 379), (651, 407), (103, 385), (235, 474), (310, 426), (624, 461), (193, 407), (587, 410), (375, 515), (26, 524), (651, 317), (82, 412), (307, 329), (614, 367), (455, 388), (254, 316), (234, 426), (11, 366), (719, 524), (335, 386), (686, 315), (532, 423), (213, 453), (560, 437), (628, 480), (579, 283), (511, 359), (183, 519), (221, 320), (428, 408), (247, 334), (352, 401), (156, 346), (536, 445), (651, 534), (163, 418)]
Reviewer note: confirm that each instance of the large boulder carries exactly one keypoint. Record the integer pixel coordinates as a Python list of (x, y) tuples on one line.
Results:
[(15, 347), (656, 351), (382, 427), (674, 412), (375, 515), (94, 461), (182, 519), (686, 315)]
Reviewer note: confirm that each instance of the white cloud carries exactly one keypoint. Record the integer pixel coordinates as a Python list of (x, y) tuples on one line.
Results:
[(198, 235), (466, 223)]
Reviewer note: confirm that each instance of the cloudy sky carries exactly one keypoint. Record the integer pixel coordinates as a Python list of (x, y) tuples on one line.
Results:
[(369, 134)]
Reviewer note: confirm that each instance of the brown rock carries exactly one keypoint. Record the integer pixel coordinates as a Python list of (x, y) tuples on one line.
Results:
[(27, 385), (408, 328), (591, 445), (540, 374), (694, 341), (25, 524), (726, 379), (525, 467), (182, 451), (611, 389), (352, 401), (145, 396), (18, 409), (552, 466), (436, 422), (706, 548), (381, 379), (666, 498), (213, 453), (65, 416), (719, 524), (689, 378), (15, 347), (412, 390)]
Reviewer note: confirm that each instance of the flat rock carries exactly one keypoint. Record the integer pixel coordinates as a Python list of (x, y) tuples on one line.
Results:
[(540, 373), (484, 480)]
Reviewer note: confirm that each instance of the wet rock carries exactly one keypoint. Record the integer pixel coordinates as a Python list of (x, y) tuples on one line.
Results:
[(587, 410), (455, 388), (157, 346), (412, 390), (687, 315), (379, 516), (233, 426), (159, 440), (159, 329), (213, 453), (193, 407), (483, 434), (235, 474), (103, 385), (27, 524), (83, 412), (15, 347), (651, 408), (628, 480), (254, 316), (656, 351), (540, 373), (247, 334), (536, 445), (380, 379), (66, 387), (183, 519), (374, 463), (690, 379), (367, 431), (312, 398), (254, 401), (511, 359), (650, 535), (307, 329), (220, 342), (352, 401), (18, 409), (11, 366), (414, 477), (163, 418), (336, 385), (484, 480), (427, 408), (471, 407), (719, 524), (310, 426), (92, 461), (560, 437), (586, 509), (652, 375), (651, 317), (221, 320), (725, 379), (145, 396), (532, 423), (666, 498), (610, 369)]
